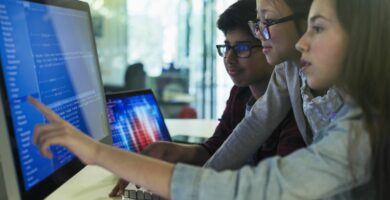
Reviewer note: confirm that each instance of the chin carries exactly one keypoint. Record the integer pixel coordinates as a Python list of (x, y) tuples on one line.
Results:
[(314, 85), (240, 84), (272, 60), (311, 83)]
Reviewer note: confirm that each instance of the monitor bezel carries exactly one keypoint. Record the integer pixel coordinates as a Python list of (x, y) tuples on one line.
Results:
[(59, 177), (132, 93)]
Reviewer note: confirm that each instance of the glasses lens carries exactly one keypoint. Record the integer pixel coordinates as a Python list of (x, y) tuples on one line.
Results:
[(221, 50), (265, 34), (257, 30), (242, 50), (254, 28)]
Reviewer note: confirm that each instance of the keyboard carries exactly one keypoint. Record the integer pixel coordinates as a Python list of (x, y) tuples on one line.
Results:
[(133, 193)]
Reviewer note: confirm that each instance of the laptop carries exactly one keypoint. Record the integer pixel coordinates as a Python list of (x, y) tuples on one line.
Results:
[(136, 121)]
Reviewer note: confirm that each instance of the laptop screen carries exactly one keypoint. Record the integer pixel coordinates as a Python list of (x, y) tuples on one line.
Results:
[(135, 120)]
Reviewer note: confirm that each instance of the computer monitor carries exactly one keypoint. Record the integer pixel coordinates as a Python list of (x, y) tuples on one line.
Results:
[(47, 51)]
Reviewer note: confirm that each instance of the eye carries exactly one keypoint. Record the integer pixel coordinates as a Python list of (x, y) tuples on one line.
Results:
[(269, 21), (317, 29)]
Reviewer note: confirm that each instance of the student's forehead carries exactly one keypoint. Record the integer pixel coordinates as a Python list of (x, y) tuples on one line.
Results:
[(323, 8), (276, 7)]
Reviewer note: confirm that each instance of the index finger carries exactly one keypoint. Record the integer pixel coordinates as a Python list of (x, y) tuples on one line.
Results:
[(47, 112)]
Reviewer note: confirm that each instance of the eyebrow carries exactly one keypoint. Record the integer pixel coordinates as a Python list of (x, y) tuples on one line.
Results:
[(240, 42), (264, 11), (317, 17)]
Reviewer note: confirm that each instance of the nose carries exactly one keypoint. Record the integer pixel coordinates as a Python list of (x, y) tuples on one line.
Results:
[(303, 45)]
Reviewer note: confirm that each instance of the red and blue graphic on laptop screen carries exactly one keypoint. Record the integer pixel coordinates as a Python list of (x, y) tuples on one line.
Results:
[(136, 121)]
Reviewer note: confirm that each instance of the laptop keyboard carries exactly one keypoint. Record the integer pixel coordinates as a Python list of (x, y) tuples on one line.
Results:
[(130, 194)]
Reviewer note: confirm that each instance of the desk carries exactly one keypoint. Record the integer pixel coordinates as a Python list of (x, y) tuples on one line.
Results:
[(94, 183), (191, 127)]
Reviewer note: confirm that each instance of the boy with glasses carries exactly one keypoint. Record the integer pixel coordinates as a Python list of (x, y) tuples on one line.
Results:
[(250, 72)]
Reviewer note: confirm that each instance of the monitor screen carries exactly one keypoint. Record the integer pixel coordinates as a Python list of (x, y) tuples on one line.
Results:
[(135, 120), (48, 51)]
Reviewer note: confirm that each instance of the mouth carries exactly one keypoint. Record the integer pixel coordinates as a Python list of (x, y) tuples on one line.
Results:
[(305, 63), (233, 71), (267, 49)]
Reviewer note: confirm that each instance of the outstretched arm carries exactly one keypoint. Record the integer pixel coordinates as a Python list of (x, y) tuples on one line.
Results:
[(339, 162), (152, 174)]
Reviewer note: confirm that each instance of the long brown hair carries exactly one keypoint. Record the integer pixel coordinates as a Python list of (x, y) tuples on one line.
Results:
[(366, 76)]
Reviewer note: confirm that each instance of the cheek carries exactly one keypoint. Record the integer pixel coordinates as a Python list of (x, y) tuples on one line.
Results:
[(277, 36), (247, 64), (287, 32), (333, 55), (284, 40), (327, 67), (225, 63), (327, 52), (257, 67), (334, 49)]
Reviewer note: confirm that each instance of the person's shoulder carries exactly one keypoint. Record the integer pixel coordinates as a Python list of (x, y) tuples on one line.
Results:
[(286, 75), (349, 109), (348, 122), (349, 116)]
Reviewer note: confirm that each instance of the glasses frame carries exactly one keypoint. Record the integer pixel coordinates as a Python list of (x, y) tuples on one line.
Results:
[(257, 27), (251, 46)]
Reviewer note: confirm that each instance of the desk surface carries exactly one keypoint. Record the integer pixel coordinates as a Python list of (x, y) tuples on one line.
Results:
[(191, 127), (95, 183), (92, 183)]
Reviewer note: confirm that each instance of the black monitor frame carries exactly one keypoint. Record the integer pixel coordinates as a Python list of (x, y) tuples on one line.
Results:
[(59, 177)]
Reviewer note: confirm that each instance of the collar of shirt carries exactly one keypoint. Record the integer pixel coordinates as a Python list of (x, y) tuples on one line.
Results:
[(249, 105), (321, 110)]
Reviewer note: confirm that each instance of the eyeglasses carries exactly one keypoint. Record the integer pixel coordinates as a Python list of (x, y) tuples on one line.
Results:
[(257, 27), (240, 50)]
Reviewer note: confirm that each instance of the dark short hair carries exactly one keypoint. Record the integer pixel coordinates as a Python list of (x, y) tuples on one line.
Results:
[(299, 6), (236, 17)]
